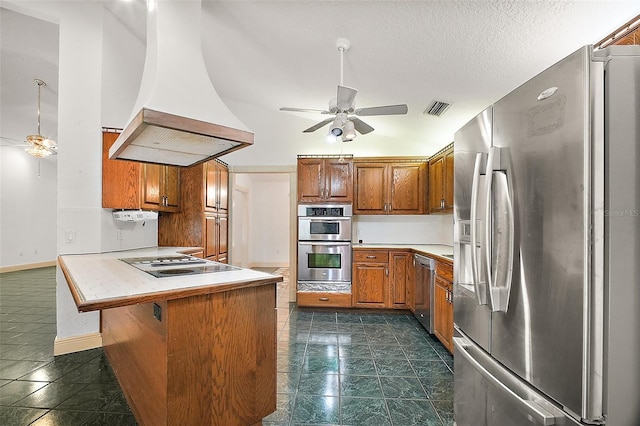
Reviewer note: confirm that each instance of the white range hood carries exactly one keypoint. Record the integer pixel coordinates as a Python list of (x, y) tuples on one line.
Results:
[(178, 118)]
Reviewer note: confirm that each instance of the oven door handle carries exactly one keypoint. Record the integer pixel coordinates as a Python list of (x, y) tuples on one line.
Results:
[(324, 243), (324, 219)]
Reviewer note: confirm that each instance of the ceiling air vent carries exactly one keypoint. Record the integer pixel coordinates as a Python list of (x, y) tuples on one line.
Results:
[(437, 108)]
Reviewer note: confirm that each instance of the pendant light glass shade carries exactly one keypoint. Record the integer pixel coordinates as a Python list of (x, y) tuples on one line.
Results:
[(39, 146)]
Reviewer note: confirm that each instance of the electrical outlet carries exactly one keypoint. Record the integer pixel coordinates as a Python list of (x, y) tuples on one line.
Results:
[(70, 236), (157, 312)]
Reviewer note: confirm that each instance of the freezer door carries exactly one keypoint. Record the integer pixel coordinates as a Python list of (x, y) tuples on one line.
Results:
[(471, 148), (488, 394), (541, 131)]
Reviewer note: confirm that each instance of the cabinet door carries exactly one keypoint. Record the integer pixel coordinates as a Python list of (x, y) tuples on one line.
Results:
[(120, 178), (370, 285), (310, 179), (211, 186), (223, 238), (223, 189), (338, 180), (436, 168), (370, 188), (448, 180), (211, 237), (151, 178), (170, 187), (399, 267), (407, 188), (216, 187), (443, 312)]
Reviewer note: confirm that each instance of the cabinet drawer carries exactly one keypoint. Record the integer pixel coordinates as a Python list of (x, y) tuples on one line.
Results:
[(370, 256), (336, 300), (445, 270)]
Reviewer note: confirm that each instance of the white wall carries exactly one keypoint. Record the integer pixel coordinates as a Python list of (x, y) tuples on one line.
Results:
[(409, 229), (27, 208), (28, 186)]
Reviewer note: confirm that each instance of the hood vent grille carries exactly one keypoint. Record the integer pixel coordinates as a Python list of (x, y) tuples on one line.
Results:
[(437, 108)]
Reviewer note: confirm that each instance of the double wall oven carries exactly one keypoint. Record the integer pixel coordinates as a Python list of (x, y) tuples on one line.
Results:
[(324, 247)]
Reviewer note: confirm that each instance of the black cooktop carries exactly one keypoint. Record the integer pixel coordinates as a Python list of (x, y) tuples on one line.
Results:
[(173, 266)]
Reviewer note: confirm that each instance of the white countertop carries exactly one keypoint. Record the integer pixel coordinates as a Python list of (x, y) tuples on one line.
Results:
[(427, 249), (99, 281)]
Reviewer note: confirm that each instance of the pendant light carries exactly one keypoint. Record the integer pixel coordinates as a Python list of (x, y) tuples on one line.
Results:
[(39, 146)]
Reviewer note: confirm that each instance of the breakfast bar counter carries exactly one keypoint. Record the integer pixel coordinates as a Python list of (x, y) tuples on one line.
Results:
[(195, 349)]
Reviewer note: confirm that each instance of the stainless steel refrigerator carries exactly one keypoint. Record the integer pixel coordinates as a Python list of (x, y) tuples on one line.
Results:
[(547, 249)]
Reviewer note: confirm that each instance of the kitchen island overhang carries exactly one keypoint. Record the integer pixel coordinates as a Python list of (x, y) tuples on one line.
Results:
[(196, 349)]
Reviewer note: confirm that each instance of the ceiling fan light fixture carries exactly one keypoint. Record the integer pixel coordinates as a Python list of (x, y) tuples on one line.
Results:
[(38, 151), (336, 126), (349, 131), (331, 138), (40, 146)]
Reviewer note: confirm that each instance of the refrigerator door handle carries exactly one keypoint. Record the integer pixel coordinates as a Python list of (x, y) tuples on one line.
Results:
[(531, 407), (499, 188), (480, 288)]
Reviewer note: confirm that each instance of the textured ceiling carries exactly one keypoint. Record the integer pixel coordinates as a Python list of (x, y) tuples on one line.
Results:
[(262, 55)]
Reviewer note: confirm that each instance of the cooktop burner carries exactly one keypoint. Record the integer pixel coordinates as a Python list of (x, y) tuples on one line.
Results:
[(171, 266)]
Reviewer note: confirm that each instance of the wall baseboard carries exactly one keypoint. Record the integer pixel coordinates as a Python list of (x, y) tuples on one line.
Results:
[(27, 266), (77, 343)]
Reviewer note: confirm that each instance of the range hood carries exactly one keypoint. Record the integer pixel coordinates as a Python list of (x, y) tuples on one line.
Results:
[(178, 118)]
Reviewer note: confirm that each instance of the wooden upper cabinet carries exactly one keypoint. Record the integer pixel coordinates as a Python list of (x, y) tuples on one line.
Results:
[(390, 188), (325, 180), (441, 181), (370, 188), (134, 185), (407, 188), (216, 187)]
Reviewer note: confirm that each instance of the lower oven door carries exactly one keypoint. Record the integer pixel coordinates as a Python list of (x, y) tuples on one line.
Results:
[(324, 261)]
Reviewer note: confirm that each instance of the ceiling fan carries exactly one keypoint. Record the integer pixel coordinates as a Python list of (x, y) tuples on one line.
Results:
[(37, 145), (342, 107)]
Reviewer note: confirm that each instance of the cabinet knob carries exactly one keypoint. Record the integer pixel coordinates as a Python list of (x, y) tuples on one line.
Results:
[(370, 256), (323, 299)]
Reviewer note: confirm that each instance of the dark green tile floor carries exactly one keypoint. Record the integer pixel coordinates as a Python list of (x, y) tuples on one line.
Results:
[(334, 368)]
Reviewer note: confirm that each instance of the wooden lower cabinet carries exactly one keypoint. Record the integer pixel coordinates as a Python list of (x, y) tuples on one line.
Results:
[(443, 305), (370, 285), (400, 267), (197, 360), (370, 279), (382, 279), (329, 300)]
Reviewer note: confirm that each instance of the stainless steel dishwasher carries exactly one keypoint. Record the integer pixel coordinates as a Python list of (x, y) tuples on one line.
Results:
[(425, 275)]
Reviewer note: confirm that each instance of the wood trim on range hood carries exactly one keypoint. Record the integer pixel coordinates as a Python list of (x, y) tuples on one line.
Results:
[(178, 118), (163, 138)]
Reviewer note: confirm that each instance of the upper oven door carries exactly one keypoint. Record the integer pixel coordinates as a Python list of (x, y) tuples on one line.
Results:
[(324, 229)]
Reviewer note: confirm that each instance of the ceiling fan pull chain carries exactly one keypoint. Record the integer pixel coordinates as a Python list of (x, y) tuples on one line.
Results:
[(341, 66)]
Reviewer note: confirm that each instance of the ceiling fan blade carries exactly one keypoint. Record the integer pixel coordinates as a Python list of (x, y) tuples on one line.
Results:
[(345, 98), (382, 110), (319, 125), (318, 111), (362, 127)]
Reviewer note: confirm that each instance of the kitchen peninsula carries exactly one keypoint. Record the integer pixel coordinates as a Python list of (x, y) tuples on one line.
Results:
[(186, 349)]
